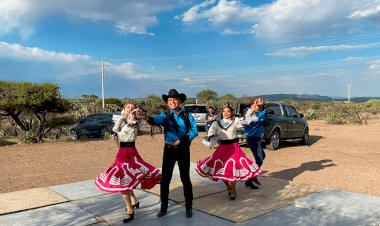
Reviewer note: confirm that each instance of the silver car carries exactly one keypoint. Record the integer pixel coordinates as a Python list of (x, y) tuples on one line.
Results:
[(198, 111)]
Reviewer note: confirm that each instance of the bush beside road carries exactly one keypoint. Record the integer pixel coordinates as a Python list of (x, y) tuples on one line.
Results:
[(339, 156)]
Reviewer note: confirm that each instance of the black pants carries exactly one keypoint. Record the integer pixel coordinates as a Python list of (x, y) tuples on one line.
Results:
[(181, 153)]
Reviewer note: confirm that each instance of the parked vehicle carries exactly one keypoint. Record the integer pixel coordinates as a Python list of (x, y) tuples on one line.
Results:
[(198, 111), (284, 123), (94, 125)]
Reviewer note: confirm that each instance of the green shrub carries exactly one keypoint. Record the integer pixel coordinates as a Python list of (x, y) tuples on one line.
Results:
[(311, 116), (334, 118), (316, 106)]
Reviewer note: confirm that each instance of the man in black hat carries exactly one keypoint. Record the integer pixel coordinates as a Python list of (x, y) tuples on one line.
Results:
[(179, 130)]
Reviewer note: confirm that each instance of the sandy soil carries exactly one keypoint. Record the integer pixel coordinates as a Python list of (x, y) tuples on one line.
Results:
[(345, 157)]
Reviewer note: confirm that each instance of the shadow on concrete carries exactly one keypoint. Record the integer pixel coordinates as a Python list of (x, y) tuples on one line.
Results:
[(289, 174)]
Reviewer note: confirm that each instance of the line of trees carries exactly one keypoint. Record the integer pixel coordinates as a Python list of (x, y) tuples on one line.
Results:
[(38, 111)]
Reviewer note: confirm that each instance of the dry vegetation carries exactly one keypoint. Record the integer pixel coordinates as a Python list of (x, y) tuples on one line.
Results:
[(339, 156)]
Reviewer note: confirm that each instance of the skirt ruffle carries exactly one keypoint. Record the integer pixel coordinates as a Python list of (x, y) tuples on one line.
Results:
[(127, 172), (228, 163)]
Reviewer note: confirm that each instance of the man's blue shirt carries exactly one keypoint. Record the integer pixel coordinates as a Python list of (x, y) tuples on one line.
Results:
[(255, 129), (171, 134)]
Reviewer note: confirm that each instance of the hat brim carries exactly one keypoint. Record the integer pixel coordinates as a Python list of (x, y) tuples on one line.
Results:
[(180, 96)]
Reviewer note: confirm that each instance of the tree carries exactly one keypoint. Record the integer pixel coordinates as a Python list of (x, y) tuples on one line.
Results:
[(12, 100), (153, 99), (114, 101), (39, 102), (228, 98), (91, 96), (206, 95), (154, 104)]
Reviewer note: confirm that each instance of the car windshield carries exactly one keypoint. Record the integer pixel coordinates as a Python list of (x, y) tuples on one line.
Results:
[(196, 109)]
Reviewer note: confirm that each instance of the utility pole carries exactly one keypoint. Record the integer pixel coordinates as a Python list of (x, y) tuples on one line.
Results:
[(103, 82), (349, 92)]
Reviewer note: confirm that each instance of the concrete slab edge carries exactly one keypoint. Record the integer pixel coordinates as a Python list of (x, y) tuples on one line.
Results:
[(33, 208)]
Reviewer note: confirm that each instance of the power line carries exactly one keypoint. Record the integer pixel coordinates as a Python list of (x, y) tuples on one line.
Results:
[(230, 53), (220, 73)]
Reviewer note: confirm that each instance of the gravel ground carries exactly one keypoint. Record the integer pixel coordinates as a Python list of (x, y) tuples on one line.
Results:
[(339, 156)]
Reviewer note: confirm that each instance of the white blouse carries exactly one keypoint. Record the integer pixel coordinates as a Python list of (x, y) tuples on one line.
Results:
[(250, 118), (127, 130), (230, 132)]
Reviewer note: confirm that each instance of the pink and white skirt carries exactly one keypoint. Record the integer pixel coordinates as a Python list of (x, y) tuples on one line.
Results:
[(228, 163), (127, 172)]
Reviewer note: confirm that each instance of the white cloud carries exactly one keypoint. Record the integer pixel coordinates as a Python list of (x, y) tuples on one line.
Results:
[(180, 66), (223, 12), (194, 82), (193, 14), (229, 31), (284, 20), (63, 65), (354, 58), (128, 16), (303, 51), (17, 51), (374, 68), (370, 10), (127, 70)]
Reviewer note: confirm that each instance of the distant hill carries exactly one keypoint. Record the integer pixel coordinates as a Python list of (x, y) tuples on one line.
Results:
[(305, 97), (312, 97)]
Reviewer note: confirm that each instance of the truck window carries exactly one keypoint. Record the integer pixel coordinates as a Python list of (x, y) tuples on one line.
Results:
[(88, 118), (293, 112), (196, 109), (287, 111), (275, 108)]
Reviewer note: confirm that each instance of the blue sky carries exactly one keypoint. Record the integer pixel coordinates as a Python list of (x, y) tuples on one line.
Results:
[(248, 47)]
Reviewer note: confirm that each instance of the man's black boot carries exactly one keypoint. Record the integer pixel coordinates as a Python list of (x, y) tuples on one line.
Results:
[(162, 212), (189, 213)]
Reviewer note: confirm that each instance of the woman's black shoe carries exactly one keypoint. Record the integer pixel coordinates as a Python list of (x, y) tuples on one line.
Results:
[(136, 205), (251, 185), (233, 195), (256, 181), (131, 217)]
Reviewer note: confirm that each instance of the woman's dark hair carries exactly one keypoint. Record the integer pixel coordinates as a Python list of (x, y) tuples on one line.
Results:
[(228, 106)]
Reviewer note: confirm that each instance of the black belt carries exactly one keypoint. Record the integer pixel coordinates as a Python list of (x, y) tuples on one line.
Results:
[(229, 141), (127, 144), (184, 141), (171, 146)]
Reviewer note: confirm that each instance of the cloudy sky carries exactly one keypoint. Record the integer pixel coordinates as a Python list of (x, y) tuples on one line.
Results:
[(248, 47)]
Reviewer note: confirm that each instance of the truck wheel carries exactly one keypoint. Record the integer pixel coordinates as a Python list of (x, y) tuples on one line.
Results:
[(274, 141), (305, 138), (74, 135), (104, 132)]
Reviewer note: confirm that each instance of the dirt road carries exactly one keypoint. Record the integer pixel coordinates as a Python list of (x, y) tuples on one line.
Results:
[(345, 157)]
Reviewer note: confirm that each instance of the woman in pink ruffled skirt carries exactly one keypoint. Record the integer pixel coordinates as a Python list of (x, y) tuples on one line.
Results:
[(228, 163), (129, 169)]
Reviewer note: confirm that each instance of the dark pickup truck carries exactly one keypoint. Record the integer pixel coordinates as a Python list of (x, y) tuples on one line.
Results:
[(283, 123), (94, 125)]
